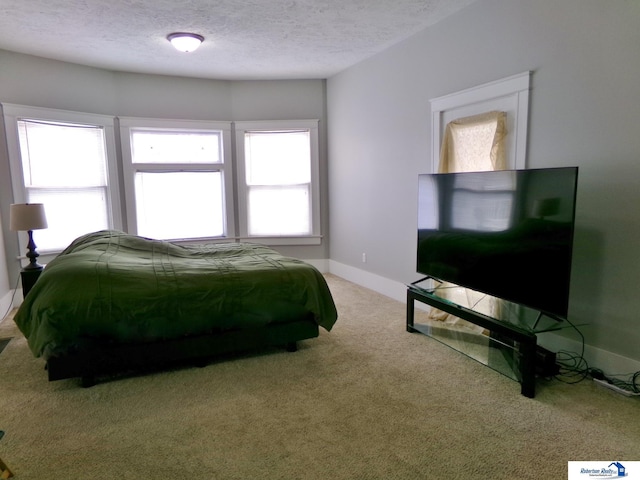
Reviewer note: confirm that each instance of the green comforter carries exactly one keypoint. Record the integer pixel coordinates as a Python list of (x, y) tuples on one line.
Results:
[(114, 287)]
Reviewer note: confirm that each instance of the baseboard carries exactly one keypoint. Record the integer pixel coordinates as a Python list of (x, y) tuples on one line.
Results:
[(609, 362), (377, 283)]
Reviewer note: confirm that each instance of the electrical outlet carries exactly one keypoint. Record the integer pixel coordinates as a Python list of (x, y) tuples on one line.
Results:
[(364, 258)]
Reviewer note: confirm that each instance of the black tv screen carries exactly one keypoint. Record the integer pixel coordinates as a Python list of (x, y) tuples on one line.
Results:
[(506, 233)]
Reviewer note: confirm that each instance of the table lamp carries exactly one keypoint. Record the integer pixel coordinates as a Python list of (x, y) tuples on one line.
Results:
[(28, 217)]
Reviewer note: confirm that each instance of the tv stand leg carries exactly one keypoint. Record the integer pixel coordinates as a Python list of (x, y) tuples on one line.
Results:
[(528, 368), (410, 311)]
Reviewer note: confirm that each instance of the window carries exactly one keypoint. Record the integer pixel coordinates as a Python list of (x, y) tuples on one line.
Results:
[(61, 159), (278, 181), (177, 178), (509, 95)]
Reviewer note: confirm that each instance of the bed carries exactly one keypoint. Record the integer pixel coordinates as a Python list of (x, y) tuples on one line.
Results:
[(112, 303)]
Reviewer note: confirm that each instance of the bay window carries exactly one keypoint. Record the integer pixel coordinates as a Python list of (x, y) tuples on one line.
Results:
[(179, 177)]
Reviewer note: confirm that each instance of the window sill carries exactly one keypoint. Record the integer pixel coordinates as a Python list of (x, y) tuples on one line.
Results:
[(266, 240), (270, 240)]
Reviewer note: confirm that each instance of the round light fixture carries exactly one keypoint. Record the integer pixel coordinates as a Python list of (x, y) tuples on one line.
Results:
[(185, 42)]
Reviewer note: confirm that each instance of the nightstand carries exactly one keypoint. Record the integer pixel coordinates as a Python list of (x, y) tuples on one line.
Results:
[(29, 276)]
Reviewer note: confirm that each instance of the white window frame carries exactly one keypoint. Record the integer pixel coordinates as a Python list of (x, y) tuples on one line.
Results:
[(14, 113), (510, 94), (241, 127), (129, 168)]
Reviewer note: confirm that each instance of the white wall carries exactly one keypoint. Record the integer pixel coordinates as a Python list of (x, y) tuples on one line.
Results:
[(583, 111), (39, 82), (5, 287)]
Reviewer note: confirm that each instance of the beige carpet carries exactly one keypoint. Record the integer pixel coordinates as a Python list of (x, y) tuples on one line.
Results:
[(366, 401)]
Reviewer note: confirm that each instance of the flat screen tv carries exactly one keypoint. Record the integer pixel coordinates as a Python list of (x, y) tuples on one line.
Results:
[(506, 233)]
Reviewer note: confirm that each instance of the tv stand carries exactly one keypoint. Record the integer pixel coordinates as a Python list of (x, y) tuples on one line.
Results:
[(514, 339)]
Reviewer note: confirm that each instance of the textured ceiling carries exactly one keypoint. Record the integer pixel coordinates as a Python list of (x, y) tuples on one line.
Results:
[(244, 39)]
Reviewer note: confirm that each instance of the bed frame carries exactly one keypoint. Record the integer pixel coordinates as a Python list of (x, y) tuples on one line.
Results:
[(104, 360)]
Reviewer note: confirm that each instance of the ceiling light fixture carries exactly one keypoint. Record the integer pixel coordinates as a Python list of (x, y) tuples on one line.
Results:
[(185, 42)]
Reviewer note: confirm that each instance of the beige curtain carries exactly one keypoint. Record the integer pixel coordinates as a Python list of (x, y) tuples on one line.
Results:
[(471, 144)]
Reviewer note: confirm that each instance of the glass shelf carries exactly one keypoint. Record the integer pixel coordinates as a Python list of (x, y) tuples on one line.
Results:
[(478, 345), (519, 316)]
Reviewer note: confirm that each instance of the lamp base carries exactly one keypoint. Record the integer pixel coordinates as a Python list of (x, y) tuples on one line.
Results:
[(32, 254)]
